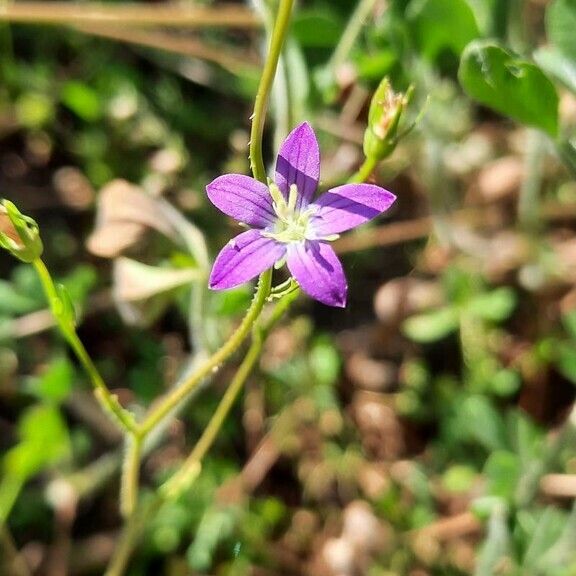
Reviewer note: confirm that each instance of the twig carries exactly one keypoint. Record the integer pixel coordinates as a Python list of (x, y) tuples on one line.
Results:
[(454, 527), (139, 14)]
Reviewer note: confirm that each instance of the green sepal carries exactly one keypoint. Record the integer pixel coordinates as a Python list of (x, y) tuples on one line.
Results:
[(19, 234), (386, 110)]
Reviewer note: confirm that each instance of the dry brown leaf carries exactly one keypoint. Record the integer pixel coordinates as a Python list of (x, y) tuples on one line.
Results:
[(124, 213)]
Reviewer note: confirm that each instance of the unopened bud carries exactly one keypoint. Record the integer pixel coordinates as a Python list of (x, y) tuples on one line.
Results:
[(19, 234), (386, 110)]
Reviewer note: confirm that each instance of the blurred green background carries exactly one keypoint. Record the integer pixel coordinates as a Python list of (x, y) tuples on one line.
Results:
[(427, 429)]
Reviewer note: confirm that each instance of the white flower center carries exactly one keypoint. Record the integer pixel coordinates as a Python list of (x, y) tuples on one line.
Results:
[(292, 224)]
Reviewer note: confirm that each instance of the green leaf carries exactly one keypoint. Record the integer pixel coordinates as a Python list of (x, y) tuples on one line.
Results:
[(494, 306), (82, 100), (480, 420), (440, 25), (34, 110), (215, 526), (459, 478), (324, 361), (548, 528), (55, 384), (557, 65), (510, 85), (431, 326), (505, 382), (569, 323), (566, 360), (43, 441), (502, 471), (561, 26), (13, 302), (316, 28)]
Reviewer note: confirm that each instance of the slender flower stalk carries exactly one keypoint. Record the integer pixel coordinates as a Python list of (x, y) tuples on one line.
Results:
[(172, 400), (107, 400), (189, 471), (277, 40), (288, 224)]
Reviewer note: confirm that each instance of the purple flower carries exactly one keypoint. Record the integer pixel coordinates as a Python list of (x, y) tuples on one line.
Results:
[(288, 225)]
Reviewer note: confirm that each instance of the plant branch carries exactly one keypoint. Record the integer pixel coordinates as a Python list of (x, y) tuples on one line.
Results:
[(138, 14), (173, 398), (108, 401)]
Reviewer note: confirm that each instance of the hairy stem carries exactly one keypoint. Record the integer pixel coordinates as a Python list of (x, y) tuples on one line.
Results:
[(191, 468), (365, 171), (130, 476), (171, 401), (108, 401), (262, 96)]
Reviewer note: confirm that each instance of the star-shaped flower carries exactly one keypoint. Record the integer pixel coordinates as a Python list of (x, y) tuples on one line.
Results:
[(288, 224)]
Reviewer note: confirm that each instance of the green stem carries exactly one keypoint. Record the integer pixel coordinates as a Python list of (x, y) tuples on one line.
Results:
[(191, 468), (171, 401), (130, 476), (130, 536), (261, 101), (108, 401), (365, 171), (258, 169)]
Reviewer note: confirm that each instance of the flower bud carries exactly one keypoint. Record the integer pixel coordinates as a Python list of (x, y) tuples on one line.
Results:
[(386, 110), (19, 234)]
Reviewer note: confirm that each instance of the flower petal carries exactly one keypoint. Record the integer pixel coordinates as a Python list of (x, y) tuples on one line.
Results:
[(349, 206), (298, 163), (243, 258), (243, 198), (318, 271)]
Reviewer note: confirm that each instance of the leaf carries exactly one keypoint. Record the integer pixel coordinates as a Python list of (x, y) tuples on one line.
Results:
[(482, 422), (43, 441), (569, 323), (561, 26), (431, 326), (13, 302), (124, 213), (82, 100), (548, 528), (55, 384), (440, 25), (497, 544), (512, 86), (557, 65), (142, 292), (494, 306), (215, 526), (502, 471), (316, 28), (324, 361), (566, 360)]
